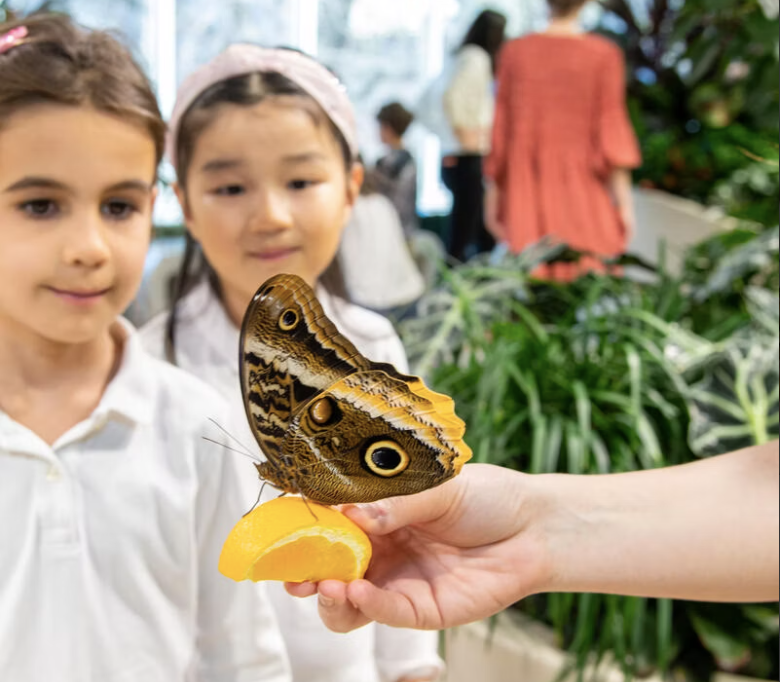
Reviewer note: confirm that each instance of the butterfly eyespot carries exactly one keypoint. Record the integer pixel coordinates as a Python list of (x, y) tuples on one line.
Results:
[(288, 320), (324, 412), (386, 458)]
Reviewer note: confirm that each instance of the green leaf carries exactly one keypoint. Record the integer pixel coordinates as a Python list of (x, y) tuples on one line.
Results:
[(665, 612), (537, 448), (553, 450), (575, 449), (729, 649)]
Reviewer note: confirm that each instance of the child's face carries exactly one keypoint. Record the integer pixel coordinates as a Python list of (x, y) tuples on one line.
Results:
[(267, 193), (76, 197), (387, 135)]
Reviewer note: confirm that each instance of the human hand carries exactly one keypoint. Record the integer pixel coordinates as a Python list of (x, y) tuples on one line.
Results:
[(628, 221), (448, 556), (492, 204)]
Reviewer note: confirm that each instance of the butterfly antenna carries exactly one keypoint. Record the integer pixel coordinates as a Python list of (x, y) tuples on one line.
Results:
[(227, 447), (231, 436)]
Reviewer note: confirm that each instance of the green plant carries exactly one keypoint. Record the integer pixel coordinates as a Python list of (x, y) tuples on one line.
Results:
[(606, 374), (703, 95)]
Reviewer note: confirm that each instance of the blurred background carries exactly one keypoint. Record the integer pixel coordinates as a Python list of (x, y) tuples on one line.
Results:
[(670, 359)]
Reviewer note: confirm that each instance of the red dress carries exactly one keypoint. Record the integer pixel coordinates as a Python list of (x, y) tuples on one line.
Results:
[(561, 126)]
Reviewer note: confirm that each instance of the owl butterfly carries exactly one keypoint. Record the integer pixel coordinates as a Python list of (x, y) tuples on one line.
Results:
[(334, 426)]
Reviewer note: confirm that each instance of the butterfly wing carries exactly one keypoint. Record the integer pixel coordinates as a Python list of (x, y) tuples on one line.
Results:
[(289, 352), (373, 435)]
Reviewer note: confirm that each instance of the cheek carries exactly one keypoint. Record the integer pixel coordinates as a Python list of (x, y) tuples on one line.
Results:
[(130, 252), (215, 224)]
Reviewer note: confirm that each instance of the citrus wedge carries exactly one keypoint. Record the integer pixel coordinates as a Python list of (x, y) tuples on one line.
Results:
[(295, 541)]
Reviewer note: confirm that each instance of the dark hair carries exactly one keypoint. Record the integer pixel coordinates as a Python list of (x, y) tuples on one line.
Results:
[(563, 8), (247, 90), (487, 32), (58, 62), (396, 117)]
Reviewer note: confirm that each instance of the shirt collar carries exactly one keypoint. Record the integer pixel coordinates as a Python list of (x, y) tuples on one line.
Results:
[(205, 312), (130, 393), (128, 396)]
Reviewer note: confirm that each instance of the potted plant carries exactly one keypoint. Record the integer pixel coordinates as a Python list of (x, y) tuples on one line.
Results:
[(703, 95), (606, 374)]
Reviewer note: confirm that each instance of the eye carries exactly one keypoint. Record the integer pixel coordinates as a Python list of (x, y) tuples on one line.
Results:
[(288, 320), (386, 458), (118, 210), (40, 208), (300, 184), (230, 190), (325, 412)]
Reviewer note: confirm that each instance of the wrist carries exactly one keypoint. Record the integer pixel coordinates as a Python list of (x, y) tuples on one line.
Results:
[(569, 516)]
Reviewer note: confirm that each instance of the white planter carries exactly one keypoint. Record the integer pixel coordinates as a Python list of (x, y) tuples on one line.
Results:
[(518, 649), (677, 222)]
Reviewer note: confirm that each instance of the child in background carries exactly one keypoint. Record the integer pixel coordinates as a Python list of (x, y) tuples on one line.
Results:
[(113, 508), (264, 144), (396, 173)]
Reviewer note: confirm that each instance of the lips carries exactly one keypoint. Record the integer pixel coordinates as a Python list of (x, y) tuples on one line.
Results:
[(273, 254), (80, 294)]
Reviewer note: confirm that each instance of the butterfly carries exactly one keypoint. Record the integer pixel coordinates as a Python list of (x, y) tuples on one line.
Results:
[(334, 426)]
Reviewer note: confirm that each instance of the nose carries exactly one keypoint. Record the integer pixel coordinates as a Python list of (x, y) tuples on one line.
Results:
[(86, 242), (271, 212)]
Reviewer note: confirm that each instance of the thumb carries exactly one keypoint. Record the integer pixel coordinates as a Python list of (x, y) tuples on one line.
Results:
[(388, 515)]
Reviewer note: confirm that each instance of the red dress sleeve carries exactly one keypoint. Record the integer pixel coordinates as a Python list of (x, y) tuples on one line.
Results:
[(495, 164), (617, 141)]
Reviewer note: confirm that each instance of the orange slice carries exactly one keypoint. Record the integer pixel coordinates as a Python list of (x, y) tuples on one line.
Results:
[(295, 541)]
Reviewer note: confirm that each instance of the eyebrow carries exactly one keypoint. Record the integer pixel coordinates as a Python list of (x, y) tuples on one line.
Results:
[(218, 165), (49, 183), (304, 157)]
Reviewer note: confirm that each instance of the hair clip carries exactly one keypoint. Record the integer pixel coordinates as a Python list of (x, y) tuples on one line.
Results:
[(14, 37)]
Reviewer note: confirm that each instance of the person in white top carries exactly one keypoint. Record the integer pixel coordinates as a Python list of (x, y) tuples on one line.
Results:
[(374, 256), (264, 144), (469, 105), (113, 508)]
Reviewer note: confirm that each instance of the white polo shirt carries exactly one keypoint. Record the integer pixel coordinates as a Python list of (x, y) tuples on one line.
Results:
[(110, 539), (207, 345)]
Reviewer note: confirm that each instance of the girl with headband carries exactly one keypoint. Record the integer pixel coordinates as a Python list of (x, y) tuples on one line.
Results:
[(113, 508), (265, 148)]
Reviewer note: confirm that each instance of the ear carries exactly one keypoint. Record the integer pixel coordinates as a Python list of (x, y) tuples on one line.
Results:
[(355, 179), (155, 193), (181, 195)]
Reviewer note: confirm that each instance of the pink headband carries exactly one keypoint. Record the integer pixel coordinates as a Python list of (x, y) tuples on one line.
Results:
[(239, 60)]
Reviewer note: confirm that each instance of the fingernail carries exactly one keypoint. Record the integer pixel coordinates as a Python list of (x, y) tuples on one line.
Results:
[(326, 602)]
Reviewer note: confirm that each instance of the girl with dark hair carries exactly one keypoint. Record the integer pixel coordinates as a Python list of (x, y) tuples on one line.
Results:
[(563, 144), (468, 107), (265, 147), (113, 508)]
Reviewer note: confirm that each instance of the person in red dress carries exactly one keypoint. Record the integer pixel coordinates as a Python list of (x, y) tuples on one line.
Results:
[(562, 145)]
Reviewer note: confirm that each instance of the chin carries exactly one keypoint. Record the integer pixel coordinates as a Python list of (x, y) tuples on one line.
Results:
[(80, 332)]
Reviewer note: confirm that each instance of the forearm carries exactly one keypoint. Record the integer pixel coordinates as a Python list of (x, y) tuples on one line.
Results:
[(706, 531), (620, 186)]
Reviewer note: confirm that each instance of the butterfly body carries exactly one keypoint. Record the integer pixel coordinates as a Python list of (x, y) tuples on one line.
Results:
[(334, 426)]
